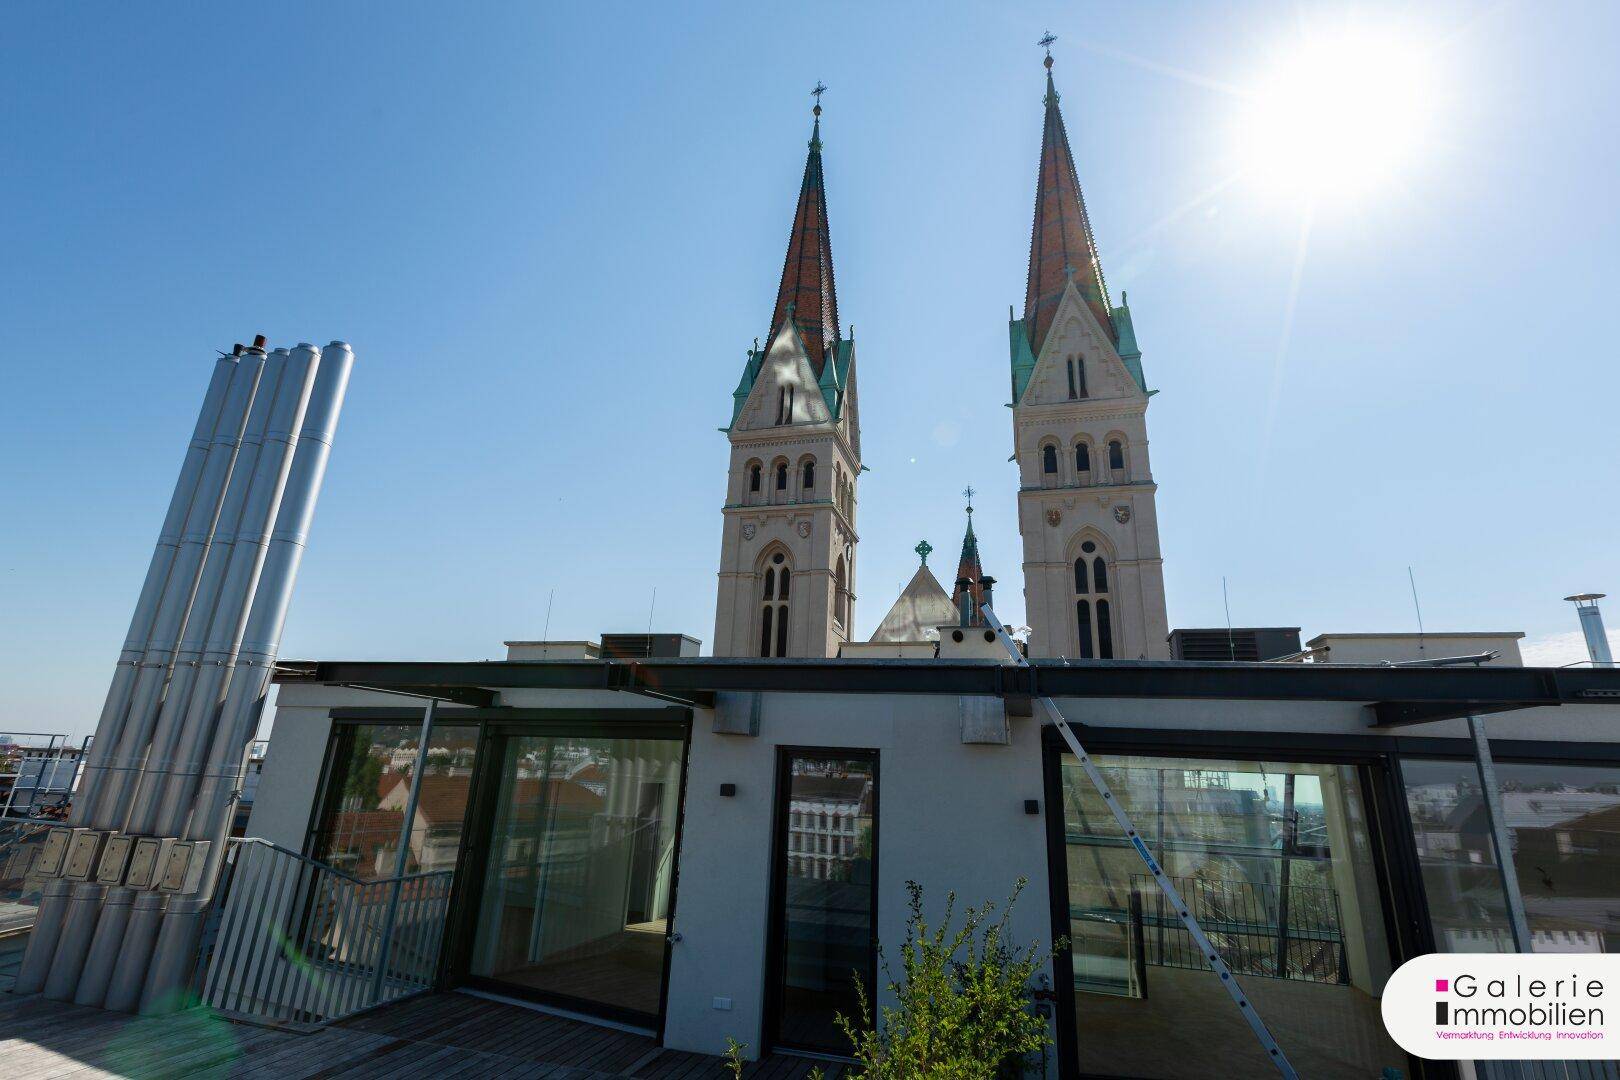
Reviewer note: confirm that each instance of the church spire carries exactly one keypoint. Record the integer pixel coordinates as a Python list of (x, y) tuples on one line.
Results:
[(1061, 244), (806, 294), (968, 568)]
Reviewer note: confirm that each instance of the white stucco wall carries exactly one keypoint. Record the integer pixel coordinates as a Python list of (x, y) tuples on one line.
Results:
[(950, 817)]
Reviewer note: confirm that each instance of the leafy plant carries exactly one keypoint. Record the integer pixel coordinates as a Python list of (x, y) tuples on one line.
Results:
[(964, 1004), (734, 1057)]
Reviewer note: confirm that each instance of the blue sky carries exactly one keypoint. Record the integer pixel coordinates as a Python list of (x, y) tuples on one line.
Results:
[(551, 235)]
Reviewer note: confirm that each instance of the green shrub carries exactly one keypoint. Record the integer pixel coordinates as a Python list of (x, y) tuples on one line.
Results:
[(964, 1009)]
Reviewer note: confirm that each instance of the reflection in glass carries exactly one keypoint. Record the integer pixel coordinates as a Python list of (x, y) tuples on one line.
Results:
[(369, 786), (1565, 825), (576, 895), (1277, 865), (828, 921)]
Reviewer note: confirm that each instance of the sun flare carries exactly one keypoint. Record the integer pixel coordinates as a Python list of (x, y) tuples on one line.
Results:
[(1339, 114)]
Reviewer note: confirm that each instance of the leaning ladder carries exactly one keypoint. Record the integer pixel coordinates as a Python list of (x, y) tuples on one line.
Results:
[(1179, 906)]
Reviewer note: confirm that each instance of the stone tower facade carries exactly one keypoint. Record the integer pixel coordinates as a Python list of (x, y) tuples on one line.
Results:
[(787, 550), (1093, 572)]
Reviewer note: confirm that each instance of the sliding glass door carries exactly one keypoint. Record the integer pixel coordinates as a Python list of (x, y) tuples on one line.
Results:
[(824, 897), (578, 875), (1280, 863)]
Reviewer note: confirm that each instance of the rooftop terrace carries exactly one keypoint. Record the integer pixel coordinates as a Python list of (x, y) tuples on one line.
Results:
[(436, 1035)]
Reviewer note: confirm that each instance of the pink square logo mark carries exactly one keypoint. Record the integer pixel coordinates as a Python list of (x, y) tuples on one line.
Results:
[(1442, 985)]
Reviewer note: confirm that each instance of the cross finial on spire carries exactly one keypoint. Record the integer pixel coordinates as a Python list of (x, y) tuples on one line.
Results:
[(1046, 43), (968, 493), (924, 548), (820, 88)]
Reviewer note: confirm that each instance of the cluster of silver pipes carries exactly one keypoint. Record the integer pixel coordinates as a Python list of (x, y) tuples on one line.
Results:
[(129, 881)]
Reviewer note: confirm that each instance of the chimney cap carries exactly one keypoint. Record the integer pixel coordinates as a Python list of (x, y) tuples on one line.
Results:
[(1578, 597)]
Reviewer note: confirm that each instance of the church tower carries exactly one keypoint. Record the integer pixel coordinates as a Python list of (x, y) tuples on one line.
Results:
[(1093, 574), (787, 552)]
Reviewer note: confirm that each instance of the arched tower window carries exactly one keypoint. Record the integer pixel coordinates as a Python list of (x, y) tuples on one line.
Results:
[(1093, 618), (781, 476), (841, 594), (773, 616), (753, 476), (1082, 461), (1116, 454), (809, 480), (1049, 464)]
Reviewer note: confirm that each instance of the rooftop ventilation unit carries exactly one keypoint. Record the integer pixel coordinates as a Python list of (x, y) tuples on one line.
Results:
[(648, 646), (1242, 644)]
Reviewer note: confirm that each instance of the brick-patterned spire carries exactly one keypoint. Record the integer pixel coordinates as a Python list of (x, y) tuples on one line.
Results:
[(807, 274), (1061, 243)]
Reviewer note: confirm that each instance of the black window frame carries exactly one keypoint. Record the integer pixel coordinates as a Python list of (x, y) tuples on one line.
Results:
[(781, 831), (1378, 759), (472, 867)]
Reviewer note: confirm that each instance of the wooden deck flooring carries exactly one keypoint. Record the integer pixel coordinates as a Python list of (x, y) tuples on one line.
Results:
[(440, 1035)]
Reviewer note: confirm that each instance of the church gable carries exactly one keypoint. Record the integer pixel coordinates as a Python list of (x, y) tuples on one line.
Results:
[(1099, 374), (785, 390)]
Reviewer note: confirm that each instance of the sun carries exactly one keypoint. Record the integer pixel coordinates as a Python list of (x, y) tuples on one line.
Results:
[(1338, 114)]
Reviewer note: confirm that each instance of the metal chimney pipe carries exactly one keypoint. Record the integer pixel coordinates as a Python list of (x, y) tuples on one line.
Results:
[(1597, 640), (111, 797), (964, 590), (42, 940), (162, 808), (172, 801), (262, 638), (116, 706), (244, 700), (195, 680), (988, 585), (111, 792), (209, 595)]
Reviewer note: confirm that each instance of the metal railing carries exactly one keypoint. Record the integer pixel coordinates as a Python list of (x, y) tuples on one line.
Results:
[(20, 842), (1259, 928), (299, 943), (38, 773)]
